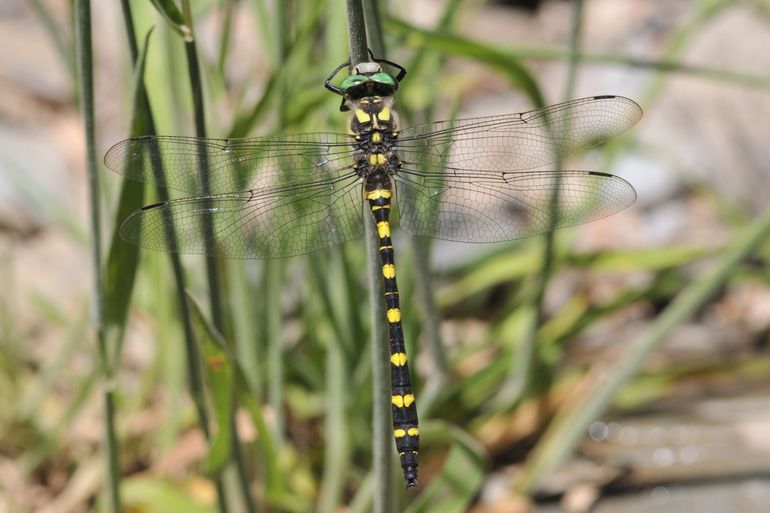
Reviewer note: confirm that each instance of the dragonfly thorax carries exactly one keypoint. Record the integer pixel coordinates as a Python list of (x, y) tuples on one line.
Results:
[(374, 126)]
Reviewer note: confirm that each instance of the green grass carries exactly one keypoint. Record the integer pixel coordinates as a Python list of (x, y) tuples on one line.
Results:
[(268, 364)]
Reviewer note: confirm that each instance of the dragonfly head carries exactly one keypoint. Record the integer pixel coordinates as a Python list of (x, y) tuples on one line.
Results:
[(368, 79)]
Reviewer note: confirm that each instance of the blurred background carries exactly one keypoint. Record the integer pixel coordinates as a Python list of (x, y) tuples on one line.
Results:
[(634, 376)]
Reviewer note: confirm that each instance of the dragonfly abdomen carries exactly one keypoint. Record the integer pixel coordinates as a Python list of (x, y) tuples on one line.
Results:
[(405, 429)]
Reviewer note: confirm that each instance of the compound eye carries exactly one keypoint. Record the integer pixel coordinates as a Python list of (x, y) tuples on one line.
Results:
[(384, 78), (352, 81)]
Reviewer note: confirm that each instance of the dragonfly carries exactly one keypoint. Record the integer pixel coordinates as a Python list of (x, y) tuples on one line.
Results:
[(478, 180)]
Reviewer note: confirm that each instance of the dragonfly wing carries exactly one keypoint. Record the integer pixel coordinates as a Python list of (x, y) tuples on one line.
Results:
[(526, 140), (269, 223), (469, 206), (230, 164)]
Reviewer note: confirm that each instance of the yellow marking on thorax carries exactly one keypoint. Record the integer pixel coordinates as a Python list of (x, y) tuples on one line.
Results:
[(377, 159), (398, 359), (383, 229), (378, 193), (376, 137), (362, 116), (384, 114), (389, 271), (394, 315)]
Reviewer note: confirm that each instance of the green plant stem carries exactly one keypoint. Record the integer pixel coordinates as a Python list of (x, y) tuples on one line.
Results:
[(520, 375), (212, 267), (195, 383), (84, 55), (356, 32), (196, 88), (271, 279), (337, 450), (423, 285), (374, 28), (381, 445), (568, 427)]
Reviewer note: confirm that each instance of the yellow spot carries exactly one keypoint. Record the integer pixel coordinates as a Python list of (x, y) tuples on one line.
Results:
[(373, 159), (389, 271), (413, 431), (383, 229), (397, 400), (398, 359), (380, 158), (384, 114), (408, 399), (376, 137), (399, 433), (362, 116), (376, 99), (364, 101), (377, 194), (383, 248), (394, 315)]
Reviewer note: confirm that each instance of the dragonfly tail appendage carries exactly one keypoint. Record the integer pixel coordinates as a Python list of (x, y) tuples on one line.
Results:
[(404, 409)]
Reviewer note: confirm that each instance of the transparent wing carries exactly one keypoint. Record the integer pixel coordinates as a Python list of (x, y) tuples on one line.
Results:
[(468, 206), (273, 222), (230, 164), (520, 141)]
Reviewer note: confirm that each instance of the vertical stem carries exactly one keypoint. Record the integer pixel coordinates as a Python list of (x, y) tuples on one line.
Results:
[(272, 271), (381, 445), (381, 442), (84, 51), (374, 28), (431, 326), (522, 372), (356, 32), (196, 88), (212, 268), (193, 369)]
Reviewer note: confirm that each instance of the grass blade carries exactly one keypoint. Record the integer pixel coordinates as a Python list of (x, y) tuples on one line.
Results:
[(212, 350), (123, 259), (84, 54)]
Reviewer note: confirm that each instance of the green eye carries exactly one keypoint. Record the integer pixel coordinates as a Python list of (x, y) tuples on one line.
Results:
[(384, 78), (351, 81)]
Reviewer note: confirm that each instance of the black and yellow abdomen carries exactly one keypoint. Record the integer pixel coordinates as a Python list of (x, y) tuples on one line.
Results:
[(405, 429)]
